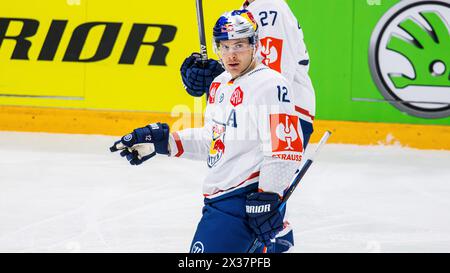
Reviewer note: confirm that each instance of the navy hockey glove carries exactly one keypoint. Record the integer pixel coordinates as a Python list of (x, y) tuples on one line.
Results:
[(143, 143), (264, 218), (197, 75)]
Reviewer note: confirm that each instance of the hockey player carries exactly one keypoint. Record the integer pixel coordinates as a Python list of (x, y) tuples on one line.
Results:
[(252, 141), (282, 49)]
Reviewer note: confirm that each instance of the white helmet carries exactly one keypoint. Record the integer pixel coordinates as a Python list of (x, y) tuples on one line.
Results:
[(234, 25)]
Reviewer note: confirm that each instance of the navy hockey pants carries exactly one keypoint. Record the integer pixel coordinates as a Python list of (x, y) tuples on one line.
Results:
[(223, 227)]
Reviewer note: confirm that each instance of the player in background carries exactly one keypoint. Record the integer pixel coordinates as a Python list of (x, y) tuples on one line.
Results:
[(252, 141), (281, 48)]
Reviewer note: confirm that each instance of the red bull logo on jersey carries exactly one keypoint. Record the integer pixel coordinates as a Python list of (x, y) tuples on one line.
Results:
[(217, 148), (271, 51), (285, 136)]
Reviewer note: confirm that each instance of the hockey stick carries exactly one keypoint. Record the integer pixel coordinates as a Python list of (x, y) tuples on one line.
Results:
[(295, 181), (201, 30)]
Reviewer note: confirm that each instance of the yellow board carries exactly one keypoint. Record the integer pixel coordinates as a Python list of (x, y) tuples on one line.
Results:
[(120, 123), (63, 66), (121, 61)]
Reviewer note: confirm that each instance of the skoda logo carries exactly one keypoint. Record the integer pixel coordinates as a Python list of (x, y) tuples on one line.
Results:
[(409, 57)]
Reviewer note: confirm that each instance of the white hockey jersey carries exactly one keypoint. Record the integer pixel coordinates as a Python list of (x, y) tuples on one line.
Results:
[(252, 133), (283, 49)]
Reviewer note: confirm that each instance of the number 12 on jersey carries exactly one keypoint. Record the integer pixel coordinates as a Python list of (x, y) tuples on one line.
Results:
[(282, 94)]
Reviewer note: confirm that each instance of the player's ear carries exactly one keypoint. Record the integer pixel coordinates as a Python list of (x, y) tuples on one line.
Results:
[(255, 50), (256, 43)]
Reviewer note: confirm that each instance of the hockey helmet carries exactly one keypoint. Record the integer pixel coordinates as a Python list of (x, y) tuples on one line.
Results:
[(232, 25)]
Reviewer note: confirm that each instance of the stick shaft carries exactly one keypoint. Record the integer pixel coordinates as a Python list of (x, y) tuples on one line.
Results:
[(295, 181), (201, 30), (300, 173)]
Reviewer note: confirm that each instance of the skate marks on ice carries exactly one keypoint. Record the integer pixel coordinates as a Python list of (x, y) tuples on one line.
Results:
[(67, 193)]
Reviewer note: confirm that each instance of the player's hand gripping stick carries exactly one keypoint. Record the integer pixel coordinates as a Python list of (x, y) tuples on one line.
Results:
[(295, 181)]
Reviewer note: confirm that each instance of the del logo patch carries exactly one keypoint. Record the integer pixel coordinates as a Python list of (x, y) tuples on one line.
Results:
[(271, 52), (213, 91), (284, 133), (237, 97)]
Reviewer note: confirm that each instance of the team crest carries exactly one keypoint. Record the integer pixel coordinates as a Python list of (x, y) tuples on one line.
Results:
[(217, 147), (237, 97), (271, 52)]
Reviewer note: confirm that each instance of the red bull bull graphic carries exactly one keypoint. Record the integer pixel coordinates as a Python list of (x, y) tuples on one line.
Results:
[(217, 147)]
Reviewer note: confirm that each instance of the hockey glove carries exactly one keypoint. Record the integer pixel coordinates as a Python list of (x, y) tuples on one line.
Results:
[(143, 143), (197, 75), (263, 215)]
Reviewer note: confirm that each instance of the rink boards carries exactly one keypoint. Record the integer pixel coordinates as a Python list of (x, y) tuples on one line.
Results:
[(102, 67)]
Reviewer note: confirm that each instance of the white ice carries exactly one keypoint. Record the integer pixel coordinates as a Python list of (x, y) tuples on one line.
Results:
[(68, 193)]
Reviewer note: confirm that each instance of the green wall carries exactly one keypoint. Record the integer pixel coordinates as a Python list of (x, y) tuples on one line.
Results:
[(337, 35)]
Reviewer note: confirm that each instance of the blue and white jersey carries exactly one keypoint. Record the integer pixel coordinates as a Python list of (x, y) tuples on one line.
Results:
[(283, 49), (252, 134)]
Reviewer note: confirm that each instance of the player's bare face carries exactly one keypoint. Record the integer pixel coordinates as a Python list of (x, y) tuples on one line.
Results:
[(237, 56)]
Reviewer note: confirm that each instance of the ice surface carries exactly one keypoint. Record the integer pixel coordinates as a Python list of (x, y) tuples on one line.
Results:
[(68, 193)]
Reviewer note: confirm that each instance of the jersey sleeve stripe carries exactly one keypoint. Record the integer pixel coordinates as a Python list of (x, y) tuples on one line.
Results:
[(304, 112), (177, 139), (304, 62)]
